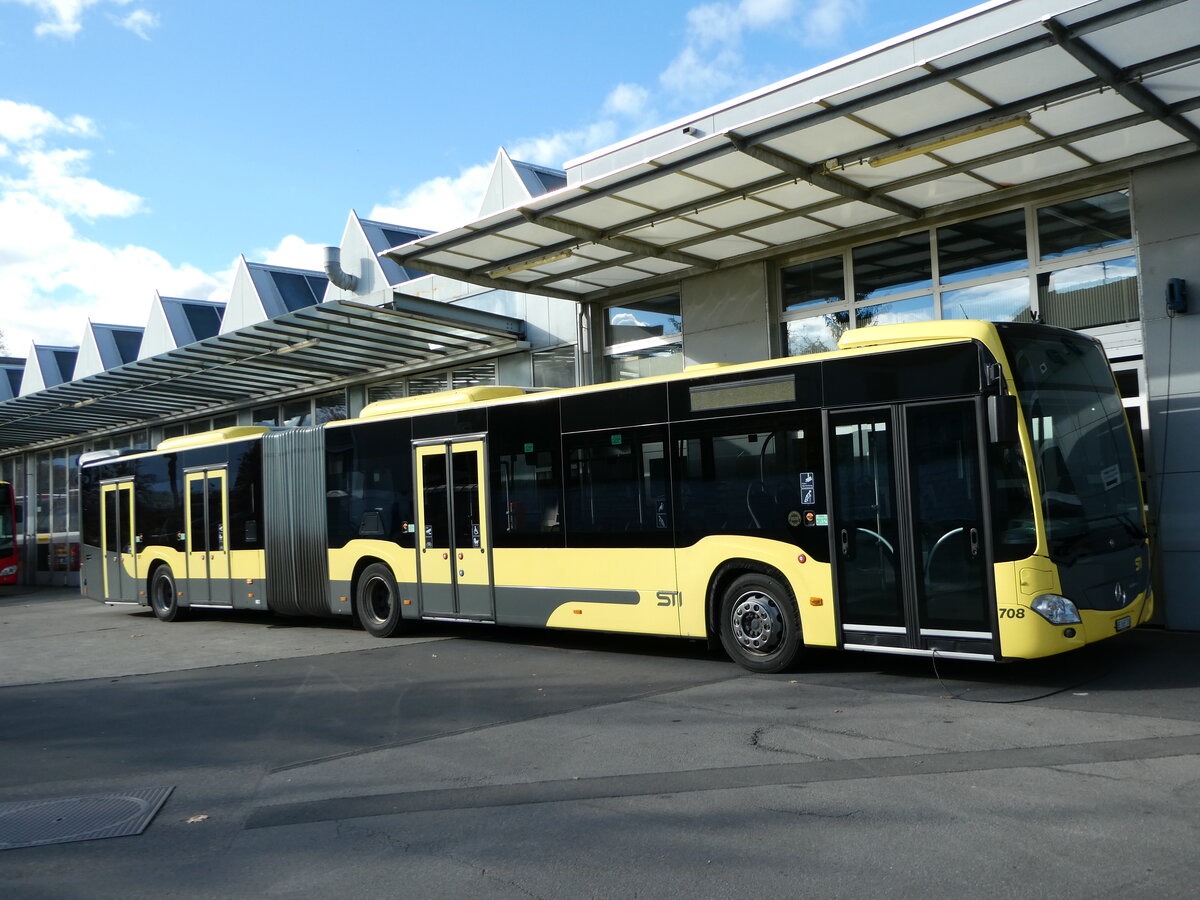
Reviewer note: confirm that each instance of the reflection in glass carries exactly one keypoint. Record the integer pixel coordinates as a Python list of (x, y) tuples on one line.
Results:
[(813, 283), (892, 267), (982, 247), (1101, 293), (426, 384), (1000, 301), (554, 368), (297, 412), (43, 490), (915, 309), (660, 360), (1092, 223), (470, 376), (330, 407), (645, 319), (818, 334)]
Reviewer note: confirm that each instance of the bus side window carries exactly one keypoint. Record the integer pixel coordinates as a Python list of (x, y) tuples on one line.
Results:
[(617, 483)]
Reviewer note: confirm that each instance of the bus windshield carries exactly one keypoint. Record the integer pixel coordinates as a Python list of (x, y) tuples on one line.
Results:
[(1082, 451)]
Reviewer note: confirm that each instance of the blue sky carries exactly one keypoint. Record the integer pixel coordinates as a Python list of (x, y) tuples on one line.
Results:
[(145, 144)]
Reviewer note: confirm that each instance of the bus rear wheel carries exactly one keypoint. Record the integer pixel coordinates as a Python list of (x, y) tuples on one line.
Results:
[(759, 624), (377, 601), (164, 599)]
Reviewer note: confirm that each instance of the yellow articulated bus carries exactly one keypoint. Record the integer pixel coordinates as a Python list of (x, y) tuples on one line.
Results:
[(957, 488)]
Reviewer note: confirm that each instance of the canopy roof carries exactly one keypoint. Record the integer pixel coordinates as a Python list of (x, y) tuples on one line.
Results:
[(990, 105), (316, 348)]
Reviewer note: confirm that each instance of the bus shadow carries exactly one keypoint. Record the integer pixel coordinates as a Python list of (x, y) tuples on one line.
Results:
[(1146, 660)]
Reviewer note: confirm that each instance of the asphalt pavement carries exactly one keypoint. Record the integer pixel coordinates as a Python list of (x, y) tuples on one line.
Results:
[(307, 759)]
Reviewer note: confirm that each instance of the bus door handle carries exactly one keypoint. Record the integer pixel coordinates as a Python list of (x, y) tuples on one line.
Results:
[(845, 541), (973, 535)]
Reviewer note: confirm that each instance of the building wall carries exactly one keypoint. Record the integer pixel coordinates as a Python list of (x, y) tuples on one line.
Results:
[(1165, 202), (727, 316)]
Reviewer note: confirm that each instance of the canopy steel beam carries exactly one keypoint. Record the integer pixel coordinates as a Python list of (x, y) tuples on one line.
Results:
[(815, 176), (1135, 93), (624, 244)]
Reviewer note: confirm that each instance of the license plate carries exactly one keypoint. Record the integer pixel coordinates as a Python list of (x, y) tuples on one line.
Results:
[(1124, 623)]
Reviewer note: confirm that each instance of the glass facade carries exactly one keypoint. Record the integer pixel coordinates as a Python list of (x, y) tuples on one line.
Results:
[(554, 368), (1068, 263), (432, 382), (643, 338)]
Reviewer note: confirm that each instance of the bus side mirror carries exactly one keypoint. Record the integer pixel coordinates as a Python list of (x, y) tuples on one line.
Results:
[(19, 513), (1002, 419)]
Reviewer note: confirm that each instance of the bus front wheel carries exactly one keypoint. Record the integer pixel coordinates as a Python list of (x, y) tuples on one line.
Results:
[(164, 599), (759, 624), (377, 601)]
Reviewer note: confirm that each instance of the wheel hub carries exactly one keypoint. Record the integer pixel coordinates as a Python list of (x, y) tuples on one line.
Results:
[(757, 622), (379, 599)]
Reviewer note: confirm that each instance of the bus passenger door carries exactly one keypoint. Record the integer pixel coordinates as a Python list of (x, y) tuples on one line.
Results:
[(870, 578), (910, 549), (207, 517), (945, 447), (455, 560), (117, 545)]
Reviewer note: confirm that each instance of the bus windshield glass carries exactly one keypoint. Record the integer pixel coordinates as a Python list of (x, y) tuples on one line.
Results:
[(1082, 451)]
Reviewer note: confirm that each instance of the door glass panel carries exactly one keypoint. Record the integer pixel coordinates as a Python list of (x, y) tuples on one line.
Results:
[(124, 526), (864, 492), (466, 499), (433, 476), (196, 530), (216, 518), (111, 540), (943, 450)]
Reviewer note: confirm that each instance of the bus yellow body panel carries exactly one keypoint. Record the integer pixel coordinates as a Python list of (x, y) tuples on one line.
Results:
[(650, 572), (811, 583), (1026, 635), (344, 560)]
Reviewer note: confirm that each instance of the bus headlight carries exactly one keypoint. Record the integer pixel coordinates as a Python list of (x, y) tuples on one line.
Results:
[(1056, 610), (7, 571)]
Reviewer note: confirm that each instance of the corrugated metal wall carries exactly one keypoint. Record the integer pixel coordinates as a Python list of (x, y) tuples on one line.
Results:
[(294, 510)]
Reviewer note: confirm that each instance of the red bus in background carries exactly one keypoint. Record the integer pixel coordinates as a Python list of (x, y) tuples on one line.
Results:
[(9, 569)]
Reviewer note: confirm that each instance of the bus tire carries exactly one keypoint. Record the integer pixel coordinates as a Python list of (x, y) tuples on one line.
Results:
[(377, 601), (164, 598), (759, 624)]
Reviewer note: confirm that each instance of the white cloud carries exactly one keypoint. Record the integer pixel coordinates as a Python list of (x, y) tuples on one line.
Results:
[(51, 278), (295, 253), (60, 18), (828, 20), (53, 176), (628, 100), (23, 122), (438, 204), (64, 18), (552, 149), (141, 22), (712, 64)]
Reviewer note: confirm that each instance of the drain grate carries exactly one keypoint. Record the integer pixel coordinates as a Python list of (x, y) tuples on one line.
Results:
[(31, 823)]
